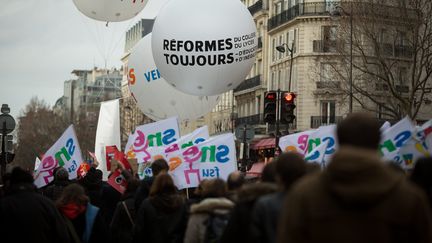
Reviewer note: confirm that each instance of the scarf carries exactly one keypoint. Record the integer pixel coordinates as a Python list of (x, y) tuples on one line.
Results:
[(72, 210)]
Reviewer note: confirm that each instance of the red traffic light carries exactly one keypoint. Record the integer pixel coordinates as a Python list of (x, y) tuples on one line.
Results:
[(289, 97), (271, 96)]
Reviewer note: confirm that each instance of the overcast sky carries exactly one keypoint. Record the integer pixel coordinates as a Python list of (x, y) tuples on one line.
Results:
[(42, 41)]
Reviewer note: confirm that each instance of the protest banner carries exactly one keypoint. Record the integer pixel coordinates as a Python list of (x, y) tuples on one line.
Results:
[(109, 155), (317, 155), (386, 125), (107, 132), (156, 134), (394, 138), (297, 142), (117, 181), (321, 135), (83, 168), (64, 153), (426, 133), (213, 158), (37, 163)]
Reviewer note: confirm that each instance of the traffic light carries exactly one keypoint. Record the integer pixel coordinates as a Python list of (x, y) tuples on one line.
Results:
[(287, 107), (270, 98)]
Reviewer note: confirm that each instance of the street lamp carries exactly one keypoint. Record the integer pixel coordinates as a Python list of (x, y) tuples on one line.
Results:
[(281, 49), (351, 55)]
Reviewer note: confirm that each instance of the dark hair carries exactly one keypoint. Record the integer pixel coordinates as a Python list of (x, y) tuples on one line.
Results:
[(20, 176), (132, 185), (73, 193), (61, 174), (158, 166), (235, 180), (269, 173), (163, 184), (214, 188), (290, 167), (359, 130)]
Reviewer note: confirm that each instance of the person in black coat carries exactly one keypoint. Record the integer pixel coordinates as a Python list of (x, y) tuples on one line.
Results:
[(162, 216), (157, 166), (422, 176), (123, 220), (61, 180), (84, 221), (238, 227), (265, 216), (26, 216)]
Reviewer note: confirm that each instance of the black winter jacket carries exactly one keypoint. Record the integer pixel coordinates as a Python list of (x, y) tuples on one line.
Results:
[(26, 216)]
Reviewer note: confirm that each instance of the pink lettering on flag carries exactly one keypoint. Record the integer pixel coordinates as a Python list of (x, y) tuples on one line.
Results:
[(141, 145)]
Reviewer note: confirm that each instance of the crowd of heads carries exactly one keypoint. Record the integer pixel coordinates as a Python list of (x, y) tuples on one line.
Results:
[(294, 201)]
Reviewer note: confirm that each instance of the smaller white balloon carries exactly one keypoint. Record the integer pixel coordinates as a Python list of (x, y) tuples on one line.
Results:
[(110, 10), (204, 47), (154, 96)]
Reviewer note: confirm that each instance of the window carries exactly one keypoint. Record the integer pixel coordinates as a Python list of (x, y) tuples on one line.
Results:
[(260, 67), (328, 112), (279, 79), (274, 49), (329, 37), (258, 104), (278, 8), (272, 86), (402, 75), (326, 72), (288, 42), (401, 39), (382, 38), (280, 43)]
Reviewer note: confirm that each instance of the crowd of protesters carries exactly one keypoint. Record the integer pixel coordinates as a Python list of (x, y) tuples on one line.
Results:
[(357, 198)]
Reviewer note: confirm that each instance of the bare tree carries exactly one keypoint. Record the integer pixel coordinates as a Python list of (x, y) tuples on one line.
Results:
[(38, 129), (392, 54)]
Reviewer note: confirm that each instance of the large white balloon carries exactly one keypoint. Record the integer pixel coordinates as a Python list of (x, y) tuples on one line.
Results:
[(204, 47), (110, 10), (154, 96)]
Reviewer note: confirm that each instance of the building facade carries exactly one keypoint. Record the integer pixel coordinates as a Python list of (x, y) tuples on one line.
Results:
[(83, 94)]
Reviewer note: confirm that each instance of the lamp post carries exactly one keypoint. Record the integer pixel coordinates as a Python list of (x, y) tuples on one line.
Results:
[(281, 48), (351, 56)]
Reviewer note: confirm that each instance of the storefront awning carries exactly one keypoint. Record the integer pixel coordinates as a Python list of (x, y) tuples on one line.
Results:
[(265, 144), (256, 169)]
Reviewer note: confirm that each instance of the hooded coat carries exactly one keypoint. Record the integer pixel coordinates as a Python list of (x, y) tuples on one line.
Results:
[(238, 228), (357, 199), (200, 212), (161, 219)]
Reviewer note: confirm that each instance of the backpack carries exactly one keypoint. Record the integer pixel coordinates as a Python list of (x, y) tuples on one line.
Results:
[(215, 226)]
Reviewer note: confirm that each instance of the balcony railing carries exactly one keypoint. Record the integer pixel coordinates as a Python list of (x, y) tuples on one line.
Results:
[(328, 84), (400, 51), (260, 42), (249, 83), (324, 46), (302, 9), (317, 121), (250, 120), (256, 7)]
